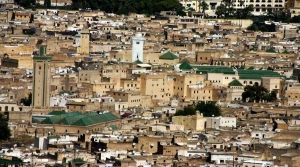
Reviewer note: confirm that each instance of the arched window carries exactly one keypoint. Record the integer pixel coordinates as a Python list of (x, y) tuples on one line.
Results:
[(12, 108), (6, 108)]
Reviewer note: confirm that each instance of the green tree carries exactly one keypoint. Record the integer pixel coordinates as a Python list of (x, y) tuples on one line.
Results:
[(204, 6), (257, 93), (245, 13), (47, 3), (4, 130), (206, 108), (148, 7), (186, 111), (27, 100), (221, 10), (26, 3)]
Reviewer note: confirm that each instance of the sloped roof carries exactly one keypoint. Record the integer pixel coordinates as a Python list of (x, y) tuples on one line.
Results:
[(243, 73), (72, 119), (54, 137), (185, 66), (256, 74), (285, 52), (213, 69), (270, 50), (114, 127), (138, 61), (235, 83), (101, 118), (250, 68), (35, 120), (168, 56), (57, 112), (79, 119)]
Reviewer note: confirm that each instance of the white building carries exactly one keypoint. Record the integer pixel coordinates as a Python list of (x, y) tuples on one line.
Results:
[(257, 163), (262, 134), (260, 6), (221, 157), (218, 122), (137, 47)]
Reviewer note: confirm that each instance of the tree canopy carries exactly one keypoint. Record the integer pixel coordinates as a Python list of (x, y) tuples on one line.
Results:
[(27, 100), (226, 10), (257, 93), (4, 130), (129, 6), (203, 6), (206, 108)]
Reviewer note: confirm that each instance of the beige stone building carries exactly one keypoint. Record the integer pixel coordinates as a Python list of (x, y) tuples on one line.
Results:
[(192, 122), (133, 98), (183, 83), (234, 91), (201, 93), (83, 42), (273, 83)]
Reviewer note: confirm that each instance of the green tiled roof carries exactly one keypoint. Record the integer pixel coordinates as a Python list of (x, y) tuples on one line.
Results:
[(285, 52), (54, 137), (35, 120), (168, 56), (86, 121), (77, 160), (213, 69), (185, 66), (243, 73), (250, 68), (114, 127), (57, 112), (257, 74), (57, 118), (138, 61), (72, 119), (270, 50), (235, 83), (79, 119), (7, 161)]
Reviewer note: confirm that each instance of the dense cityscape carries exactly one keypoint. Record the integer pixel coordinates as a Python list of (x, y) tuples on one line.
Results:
[(154, 83)]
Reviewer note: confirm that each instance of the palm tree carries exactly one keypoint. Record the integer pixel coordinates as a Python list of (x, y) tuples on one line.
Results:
[(204, 6)]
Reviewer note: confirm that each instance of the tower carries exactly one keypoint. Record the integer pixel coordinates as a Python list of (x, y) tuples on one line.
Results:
[(77, 40), (41, 79), (137, 47), (83, 42)]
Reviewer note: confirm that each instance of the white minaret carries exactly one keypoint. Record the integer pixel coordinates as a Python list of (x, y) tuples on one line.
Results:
[(137, 47)]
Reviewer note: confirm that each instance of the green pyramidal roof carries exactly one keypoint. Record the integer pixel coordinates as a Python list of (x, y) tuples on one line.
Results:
[(285, 52), (185, 66), (168, 56), (235, 83), (270, 50), (138, 61), (250, 68)]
